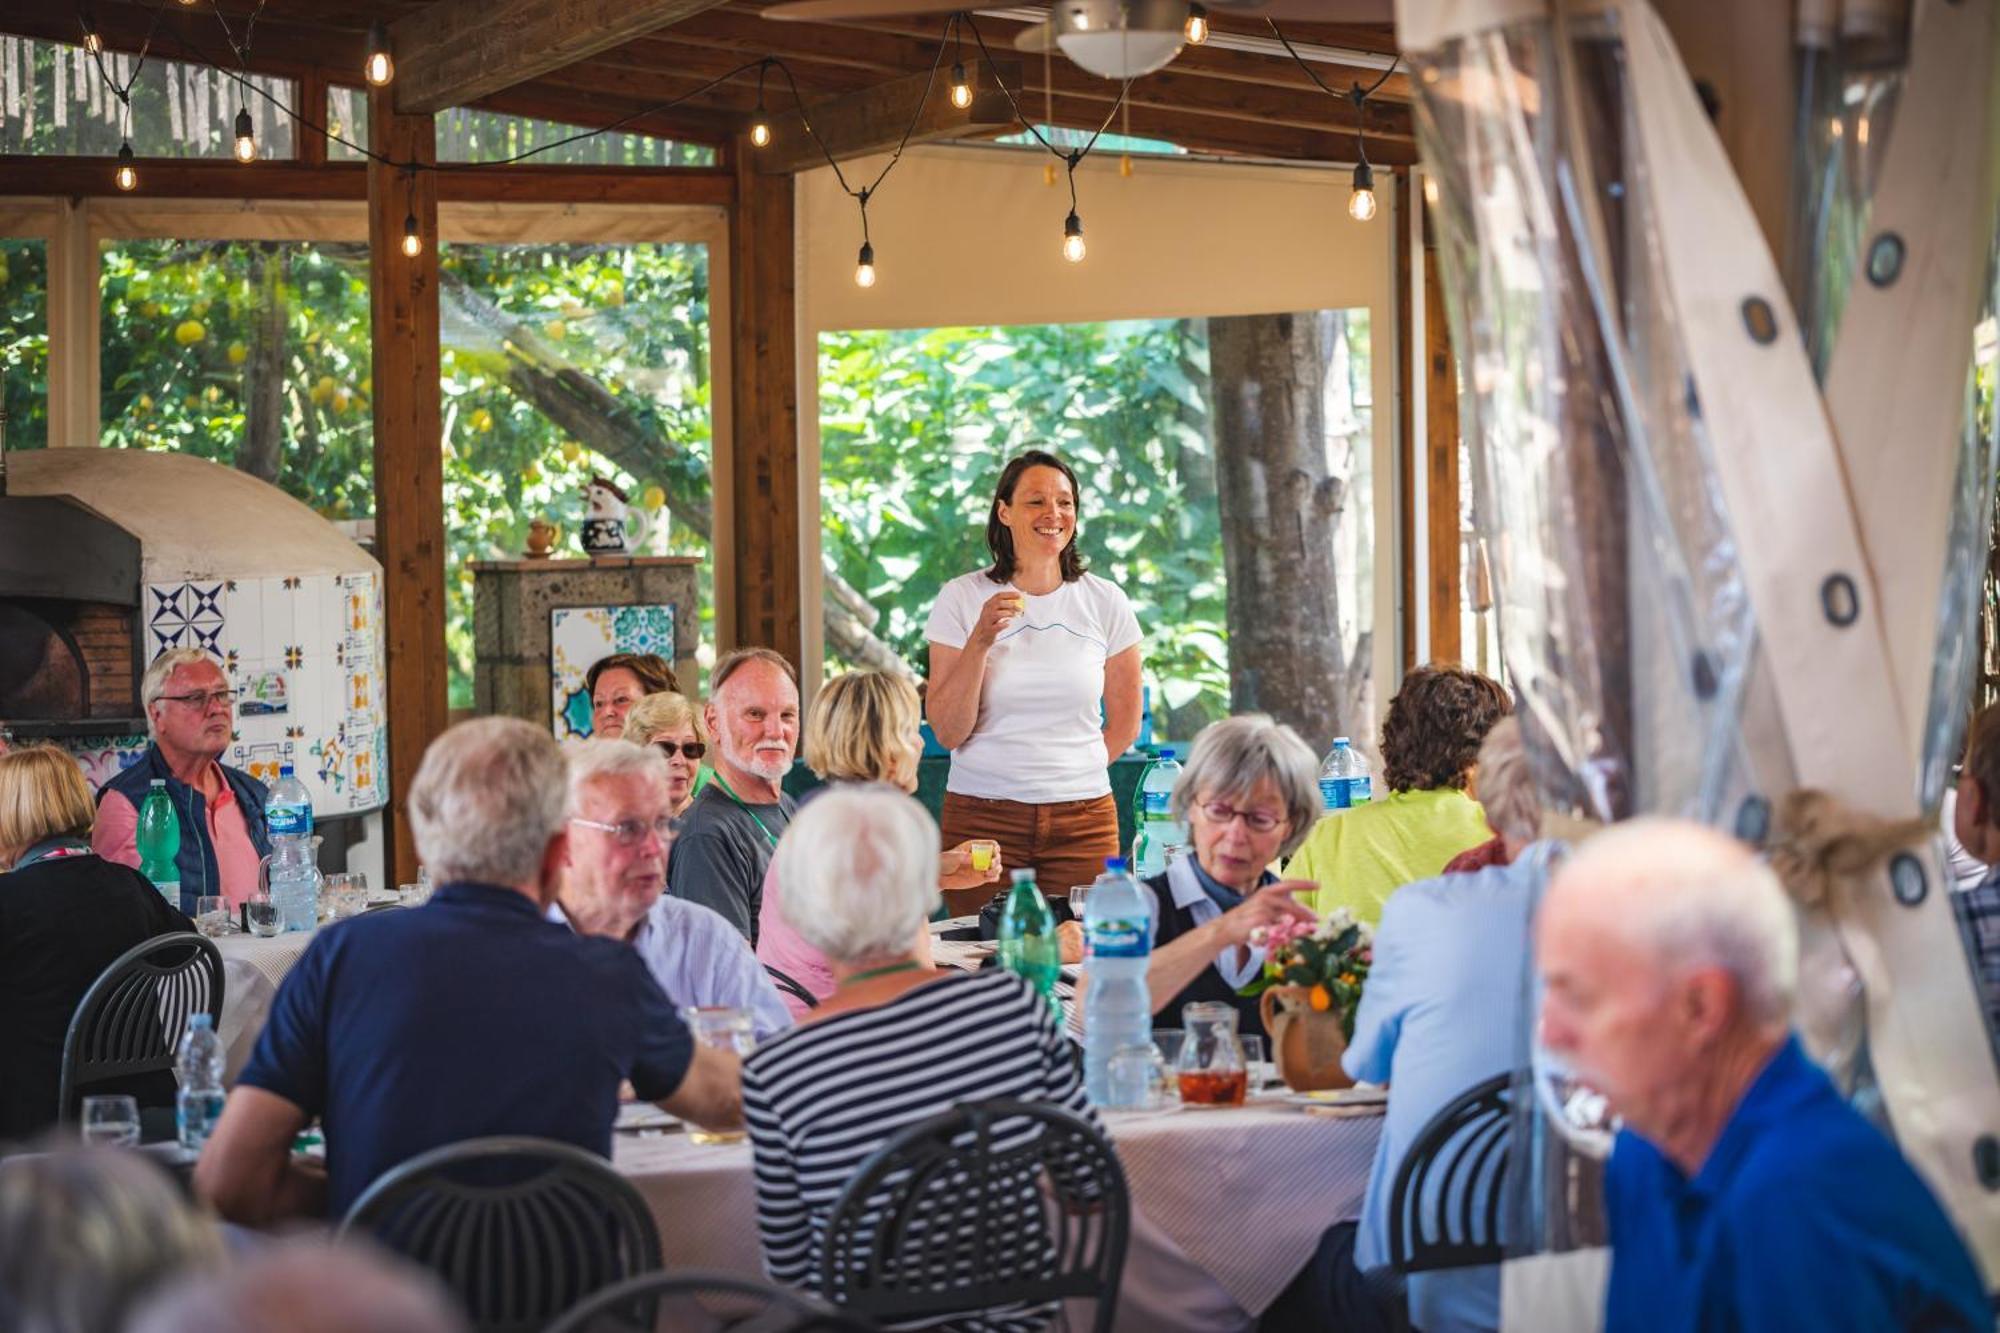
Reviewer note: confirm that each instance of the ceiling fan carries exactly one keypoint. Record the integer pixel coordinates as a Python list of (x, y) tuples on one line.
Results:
[(1114, 39)]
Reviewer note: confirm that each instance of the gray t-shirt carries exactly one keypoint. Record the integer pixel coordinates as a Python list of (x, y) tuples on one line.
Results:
[(722, 853)]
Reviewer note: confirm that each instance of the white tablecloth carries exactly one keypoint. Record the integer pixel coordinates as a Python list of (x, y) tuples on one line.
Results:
[(1228, 1205), (252, 970)]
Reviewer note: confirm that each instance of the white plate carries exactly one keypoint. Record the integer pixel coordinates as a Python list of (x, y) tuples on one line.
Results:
[(642, 1115), (1360, 1095)]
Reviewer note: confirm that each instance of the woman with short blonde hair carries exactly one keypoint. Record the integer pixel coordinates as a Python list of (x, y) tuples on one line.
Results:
[(671, 724), (865, 726), (65, 915)]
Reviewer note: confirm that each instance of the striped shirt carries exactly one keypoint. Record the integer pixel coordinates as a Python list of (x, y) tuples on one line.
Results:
[(821, 1098)]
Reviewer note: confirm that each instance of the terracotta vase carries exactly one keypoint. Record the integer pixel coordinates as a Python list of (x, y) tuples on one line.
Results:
[(1306, 1043)]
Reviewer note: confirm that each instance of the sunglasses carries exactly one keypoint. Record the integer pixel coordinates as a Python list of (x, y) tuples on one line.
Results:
[(692, 749)]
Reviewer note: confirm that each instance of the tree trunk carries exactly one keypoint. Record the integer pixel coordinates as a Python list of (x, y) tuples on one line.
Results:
[(1279, 507), (594, 415), (262, 451)]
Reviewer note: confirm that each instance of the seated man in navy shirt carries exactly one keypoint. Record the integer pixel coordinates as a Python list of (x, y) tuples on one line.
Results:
[(1743, 1192), (404, 1031)]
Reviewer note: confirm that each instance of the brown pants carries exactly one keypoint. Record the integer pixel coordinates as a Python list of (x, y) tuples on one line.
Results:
[(1063, 842)]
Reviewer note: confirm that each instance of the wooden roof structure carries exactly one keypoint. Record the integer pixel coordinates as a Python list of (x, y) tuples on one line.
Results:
[(591, 62)]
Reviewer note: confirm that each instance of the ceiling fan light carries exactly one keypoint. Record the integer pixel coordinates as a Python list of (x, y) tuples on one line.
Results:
[(1121, 55)]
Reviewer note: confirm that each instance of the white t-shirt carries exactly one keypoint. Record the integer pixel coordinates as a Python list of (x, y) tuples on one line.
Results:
[(1039, 737)]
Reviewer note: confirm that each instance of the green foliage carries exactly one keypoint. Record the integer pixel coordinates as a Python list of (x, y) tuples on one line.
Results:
[(24, 342), (916, 425)]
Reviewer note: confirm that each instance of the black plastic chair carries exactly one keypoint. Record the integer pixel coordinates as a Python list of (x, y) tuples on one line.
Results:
[(520, 1229), (1444, 1207), (792, 986), (132, 1018), (990, 1206), (697, 1302)]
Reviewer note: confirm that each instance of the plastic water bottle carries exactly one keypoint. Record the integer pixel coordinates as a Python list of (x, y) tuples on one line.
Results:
[(1158, 833), (198, 1066), (294, 874), (1343, 778), (1118, 944), (289, 807), (159, 842), (1028, 944)]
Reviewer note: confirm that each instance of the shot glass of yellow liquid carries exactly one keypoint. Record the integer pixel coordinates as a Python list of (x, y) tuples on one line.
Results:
[(983, 851)]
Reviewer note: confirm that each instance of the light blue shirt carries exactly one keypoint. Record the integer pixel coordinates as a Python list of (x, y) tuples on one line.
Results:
[(1440, 1012), (697, 957)]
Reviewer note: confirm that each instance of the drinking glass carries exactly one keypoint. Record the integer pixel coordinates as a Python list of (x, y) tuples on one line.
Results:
[(347, 895), (211, 916), (1078, 894), (1138, 1078), (111, 1120), (982, 851), (727, 1028), (262, 914), (1253, 1061)]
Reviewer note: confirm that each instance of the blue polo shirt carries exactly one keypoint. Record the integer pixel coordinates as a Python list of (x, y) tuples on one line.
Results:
[(471, 1015), (1803, 1217)]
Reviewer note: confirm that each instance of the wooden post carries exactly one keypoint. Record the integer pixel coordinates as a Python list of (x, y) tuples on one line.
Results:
[(409, 461), (764, 463), (1406, 432), (1440, 460)]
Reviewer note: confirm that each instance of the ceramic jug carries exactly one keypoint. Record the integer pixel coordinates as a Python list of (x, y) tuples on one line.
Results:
[(609, 512)]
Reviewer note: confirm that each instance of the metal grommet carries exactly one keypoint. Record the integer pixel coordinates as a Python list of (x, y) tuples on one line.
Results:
[(1840, 600), (1760, 320), (1753, 820), (1907, 879), (1703, 672), (1986, 1160), (1885, 259)]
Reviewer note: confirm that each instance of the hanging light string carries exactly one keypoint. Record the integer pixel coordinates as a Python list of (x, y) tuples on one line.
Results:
[(126, 175), (1361, 201)]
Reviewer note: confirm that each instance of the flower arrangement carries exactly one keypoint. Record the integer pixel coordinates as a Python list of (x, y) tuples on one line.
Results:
[(1329, 960)]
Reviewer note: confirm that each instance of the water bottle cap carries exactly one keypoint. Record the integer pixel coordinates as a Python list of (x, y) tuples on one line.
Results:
[(1024, 877), (1116, 864), (284, 770), (1166, 753), (200, 1022), (160, 783), (1341, 742)]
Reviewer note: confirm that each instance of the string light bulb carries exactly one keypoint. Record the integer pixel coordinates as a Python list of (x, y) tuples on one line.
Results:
[(1361, 203), (413, 241), (246, 137), (961, 91), (93, 41), (379, 67), (1073, 249), (760, 128), (127, 175), (864, 267), (1196, 29)]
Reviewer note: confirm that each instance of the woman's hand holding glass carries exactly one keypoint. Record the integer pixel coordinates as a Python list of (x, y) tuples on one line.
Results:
[(1002, 609), (956, 871)]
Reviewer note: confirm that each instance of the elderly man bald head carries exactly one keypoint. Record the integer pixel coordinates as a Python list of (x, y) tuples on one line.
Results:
[(1743, 1192)]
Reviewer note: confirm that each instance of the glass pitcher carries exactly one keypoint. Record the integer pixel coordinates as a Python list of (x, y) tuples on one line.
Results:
[(1211, 1067), (290, 874)]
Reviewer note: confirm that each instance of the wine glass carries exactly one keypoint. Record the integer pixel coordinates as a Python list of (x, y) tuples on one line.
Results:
[(1078, 893), (112, 1121)]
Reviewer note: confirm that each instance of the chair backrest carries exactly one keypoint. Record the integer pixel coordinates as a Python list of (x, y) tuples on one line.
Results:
[(1444, 1207), (698, 1302), (793, 987), (520, 1229), (133, 1016), (990, 1205)]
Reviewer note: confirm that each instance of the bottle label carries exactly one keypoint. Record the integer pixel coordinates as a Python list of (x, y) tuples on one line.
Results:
[(170, 889), (1358, 792), (1156, 804), (287, 820), (1333, 793), (1117, 939)]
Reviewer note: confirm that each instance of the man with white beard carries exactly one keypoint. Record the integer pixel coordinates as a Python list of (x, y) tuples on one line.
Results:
[(728, 835)]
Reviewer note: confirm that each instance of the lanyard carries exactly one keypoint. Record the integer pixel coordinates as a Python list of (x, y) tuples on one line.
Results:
[(762, 827), (907, 965), (53, 849)]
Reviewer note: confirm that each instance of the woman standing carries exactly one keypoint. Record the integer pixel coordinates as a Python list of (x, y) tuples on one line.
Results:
[(1022, 655)]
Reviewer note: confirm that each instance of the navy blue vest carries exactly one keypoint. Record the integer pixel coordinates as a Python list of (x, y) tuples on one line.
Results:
[(198, 866)]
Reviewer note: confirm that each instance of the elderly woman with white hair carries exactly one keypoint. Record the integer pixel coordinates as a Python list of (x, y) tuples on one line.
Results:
[(897, 1042), (1249, 794)]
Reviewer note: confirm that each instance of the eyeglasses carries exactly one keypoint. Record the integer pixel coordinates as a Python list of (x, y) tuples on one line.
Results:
[(692, 749), (1260, 821), (202, 701), (631, 832)]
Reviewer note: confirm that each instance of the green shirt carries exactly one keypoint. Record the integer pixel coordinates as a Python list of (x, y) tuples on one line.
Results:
[(1363, 855)]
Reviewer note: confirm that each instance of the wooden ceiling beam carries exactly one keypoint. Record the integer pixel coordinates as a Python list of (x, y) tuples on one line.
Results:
[(219, 178), (875, 120), (453, 52), (594, 110)]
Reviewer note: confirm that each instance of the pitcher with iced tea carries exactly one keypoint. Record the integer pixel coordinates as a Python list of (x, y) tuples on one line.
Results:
[(1212, 1070)]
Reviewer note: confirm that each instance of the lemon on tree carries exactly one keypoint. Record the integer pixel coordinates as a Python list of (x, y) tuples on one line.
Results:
[(189, 332), (238, 354), (480, 419), (571, 451), (653, 497)]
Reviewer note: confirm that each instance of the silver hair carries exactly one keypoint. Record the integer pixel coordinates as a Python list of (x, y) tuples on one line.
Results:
[(857, 871), (1692, 897), (617, 758), (154, 683), (1232, 756), (487, 799), (306, 1285), (1507, 783), (86, 1233)]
